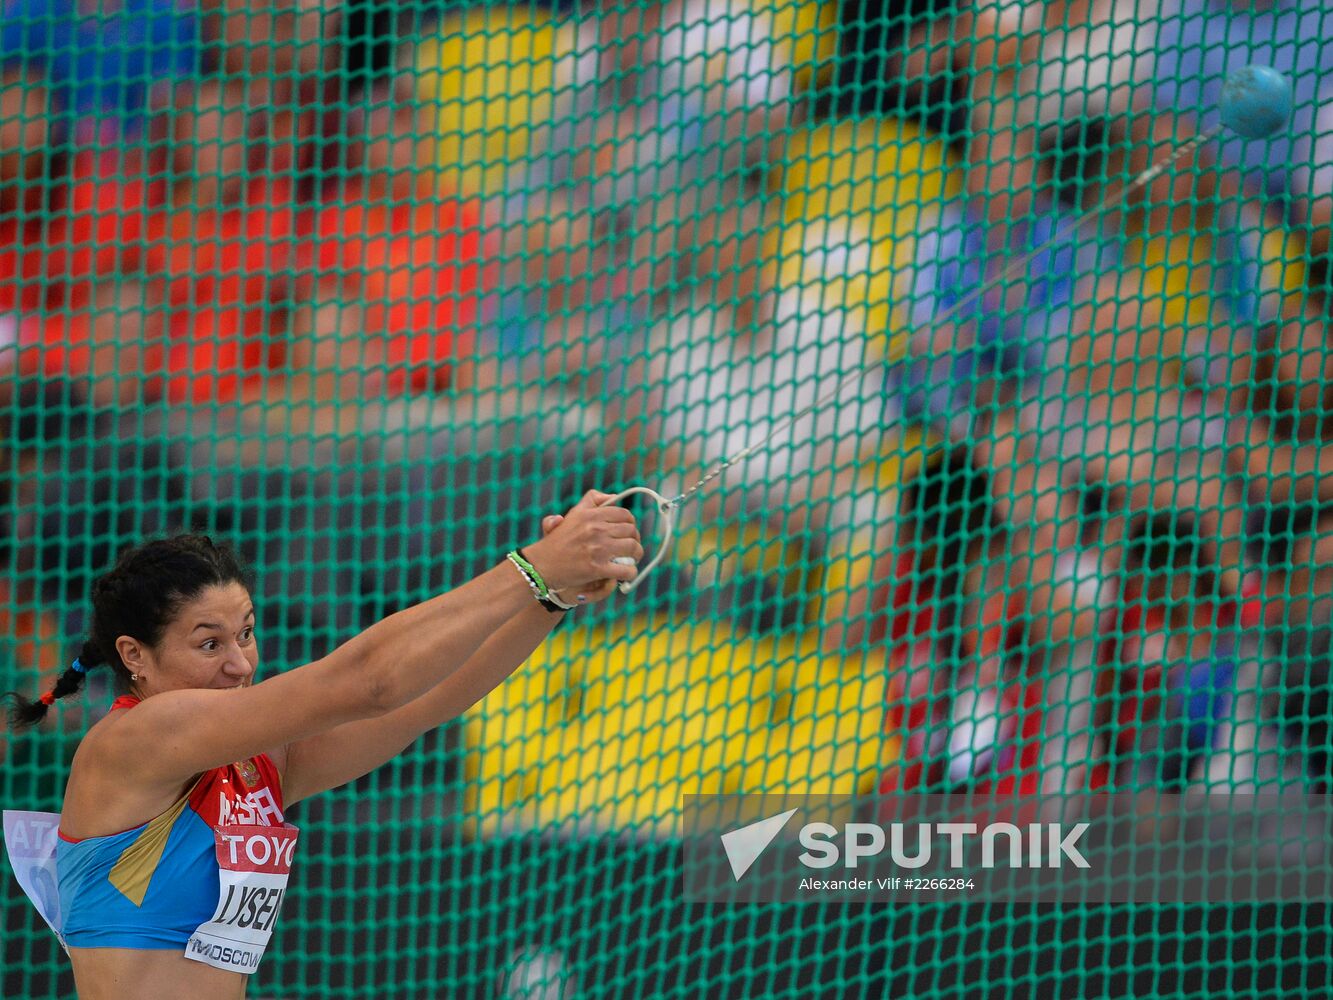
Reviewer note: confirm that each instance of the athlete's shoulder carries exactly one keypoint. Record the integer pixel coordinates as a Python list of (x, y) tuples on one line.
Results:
[(98, 734)]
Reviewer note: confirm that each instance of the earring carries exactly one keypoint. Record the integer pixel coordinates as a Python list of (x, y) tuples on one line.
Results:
[(134, 677)]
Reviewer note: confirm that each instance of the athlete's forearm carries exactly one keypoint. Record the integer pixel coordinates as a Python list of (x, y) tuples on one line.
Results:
[(485, 670), (409, 653), (498, 657), (346, 752)]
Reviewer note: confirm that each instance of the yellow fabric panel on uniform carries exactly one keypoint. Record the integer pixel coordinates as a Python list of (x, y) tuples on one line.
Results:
[(134, 870)]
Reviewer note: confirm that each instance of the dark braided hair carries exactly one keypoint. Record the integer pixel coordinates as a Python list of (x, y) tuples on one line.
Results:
[(139, 597)]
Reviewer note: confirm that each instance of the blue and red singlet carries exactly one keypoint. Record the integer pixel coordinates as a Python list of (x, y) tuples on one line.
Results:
[(206, 876)]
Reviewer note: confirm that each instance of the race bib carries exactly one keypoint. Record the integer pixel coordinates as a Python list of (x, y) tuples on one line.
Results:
[(254, 863), (30, 840)]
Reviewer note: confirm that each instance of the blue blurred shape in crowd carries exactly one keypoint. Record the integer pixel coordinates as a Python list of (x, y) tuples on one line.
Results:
[(102, 57), (1200, 698)]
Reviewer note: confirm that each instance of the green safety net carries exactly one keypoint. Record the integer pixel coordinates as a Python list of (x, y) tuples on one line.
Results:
[(366, 290)]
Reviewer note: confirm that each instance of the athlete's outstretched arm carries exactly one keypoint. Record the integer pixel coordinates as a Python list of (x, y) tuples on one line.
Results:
[(177, 734), (346, 752)]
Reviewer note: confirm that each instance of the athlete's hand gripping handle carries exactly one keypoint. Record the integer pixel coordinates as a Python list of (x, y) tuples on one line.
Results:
[(667, 510)]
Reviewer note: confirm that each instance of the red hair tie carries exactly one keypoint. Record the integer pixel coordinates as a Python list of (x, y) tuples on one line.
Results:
[(48, 699)]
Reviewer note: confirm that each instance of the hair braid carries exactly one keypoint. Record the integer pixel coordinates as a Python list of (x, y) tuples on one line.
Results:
[(137, 597)]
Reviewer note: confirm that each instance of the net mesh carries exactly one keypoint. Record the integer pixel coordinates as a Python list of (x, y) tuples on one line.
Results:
[(366, 290)]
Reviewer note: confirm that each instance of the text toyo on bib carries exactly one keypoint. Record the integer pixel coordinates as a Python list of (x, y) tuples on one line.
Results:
[(254, 863)]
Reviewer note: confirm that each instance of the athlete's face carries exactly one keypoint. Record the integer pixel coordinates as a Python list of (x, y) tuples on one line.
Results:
[(209, 644)]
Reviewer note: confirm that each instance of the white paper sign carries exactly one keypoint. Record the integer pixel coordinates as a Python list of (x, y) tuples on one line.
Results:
[(30, 840)]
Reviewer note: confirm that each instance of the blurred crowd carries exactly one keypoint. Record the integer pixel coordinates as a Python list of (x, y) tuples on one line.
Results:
[(360, 287)]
